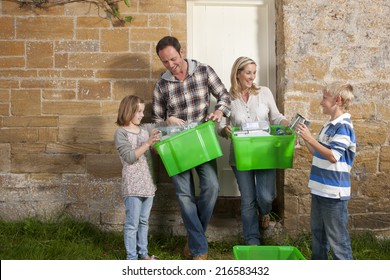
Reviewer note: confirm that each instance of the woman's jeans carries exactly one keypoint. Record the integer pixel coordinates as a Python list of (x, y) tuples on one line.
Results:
[(329, 219), (257, 188), (136, 226), (196, 212)]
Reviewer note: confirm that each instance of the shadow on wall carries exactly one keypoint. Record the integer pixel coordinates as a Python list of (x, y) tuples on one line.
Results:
[(94, 188), (96, 196), (92, 193)]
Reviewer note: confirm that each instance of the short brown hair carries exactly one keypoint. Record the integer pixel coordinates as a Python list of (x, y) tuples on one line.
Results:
[(168, 41), (127, 109)]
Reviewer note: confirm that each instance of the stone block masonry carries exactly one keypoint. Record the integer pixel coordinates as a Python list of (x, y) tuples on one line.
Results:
[(323, 41)]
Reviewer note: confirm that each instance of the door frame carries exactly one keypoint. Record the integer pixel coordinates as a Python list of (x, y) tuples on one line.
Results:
[(270, 60), (266, 62)]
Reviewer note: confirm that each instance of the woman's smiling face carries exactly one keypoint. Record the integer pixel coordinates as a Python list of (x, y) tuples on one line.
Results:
[(247, 76)]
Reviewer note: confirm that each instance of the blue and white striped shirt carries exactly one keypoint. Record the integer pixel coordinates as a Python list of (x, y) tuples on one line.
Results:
[(328, 179)]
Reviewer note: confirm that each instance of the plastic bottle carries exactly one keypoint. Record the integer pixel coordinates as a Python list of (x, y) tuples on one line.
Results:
[(168, 131), (279, 131)]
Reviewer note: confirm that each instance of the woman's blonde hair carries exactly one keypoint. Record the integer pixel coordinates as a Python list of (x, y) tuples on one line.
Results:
[(127, 109), (238, 66), (344, 90)]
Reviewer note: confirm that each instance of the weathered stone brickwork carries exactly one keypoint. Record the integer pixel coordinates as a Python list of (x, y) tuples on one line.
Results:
[(323, 41), (63, 72)]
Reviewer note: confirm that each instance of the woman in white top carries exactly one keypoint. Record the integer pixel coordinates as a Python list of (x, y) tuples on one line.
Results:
[(250, 103)]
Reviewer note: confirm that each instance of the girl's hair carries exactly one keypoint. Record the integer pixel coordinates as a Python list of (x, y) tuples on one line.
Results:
[(344, 90), (127, 109), (238, 66)]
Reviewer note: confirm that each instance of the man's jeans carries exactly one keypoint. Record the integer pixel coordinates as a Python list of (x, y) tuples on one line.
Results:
[(136, 226), (196, 212), (329, 219), (257, 188)]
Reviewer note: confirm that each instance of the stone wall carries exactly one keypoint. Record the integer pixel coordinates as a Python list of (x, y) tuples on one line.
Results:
[(323, 41), (63, 72)]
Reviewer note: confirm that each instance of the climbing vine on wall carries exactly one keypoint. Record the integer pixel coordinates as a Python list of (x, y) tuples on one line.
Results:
[(110, 7)]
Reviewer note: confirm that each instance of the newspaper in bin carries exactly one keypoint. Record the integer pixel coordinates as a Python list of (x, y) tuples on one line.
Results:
[(250, 133), (261, 125), (250, 129)]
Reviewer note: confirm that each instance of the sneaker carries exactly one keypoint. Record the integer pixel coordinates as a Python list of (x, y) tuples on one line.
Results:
[(265, 221), (149, 258), (200, 257)]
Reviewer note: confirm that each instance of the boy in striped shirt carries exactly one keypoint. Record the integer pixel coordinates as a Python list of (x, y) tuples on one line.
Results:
[(330, 185)]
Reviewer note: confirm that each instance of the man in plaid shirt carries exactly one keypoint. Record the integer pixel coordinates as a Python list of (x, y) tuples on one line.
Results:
[(182, 95)]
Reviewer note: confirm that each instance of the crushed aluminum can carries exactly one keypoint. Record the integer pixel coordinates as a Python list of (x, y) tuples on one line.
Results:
[(298, 119)]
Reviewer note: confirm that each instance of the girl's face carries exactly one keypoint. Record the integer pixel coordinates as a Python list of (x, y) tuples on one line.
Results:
[(136, 120), (247, 76)]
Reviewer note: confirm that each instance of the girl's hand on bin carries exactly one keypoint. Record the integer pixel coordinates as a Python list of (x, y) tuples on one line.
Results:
[(155, 136)]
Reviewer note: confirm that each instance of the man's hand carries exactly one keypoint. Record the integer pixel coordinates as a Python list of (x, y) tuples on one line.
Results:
[(171, 121), (216, 116)]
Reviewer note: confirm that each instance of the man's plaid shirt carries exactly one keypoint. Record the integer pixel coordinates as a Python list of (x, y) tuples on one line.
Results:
[(189, 100)]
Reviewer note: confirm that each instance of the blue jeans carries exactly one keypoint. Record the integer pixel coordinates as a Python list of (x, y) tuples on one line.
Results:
[(257, 188), (329, 219), (196, 212), (136, 226)]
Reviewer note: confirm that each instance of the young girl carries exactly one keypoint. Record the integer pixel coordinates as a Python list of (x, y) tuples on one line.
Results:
[(133, 143)]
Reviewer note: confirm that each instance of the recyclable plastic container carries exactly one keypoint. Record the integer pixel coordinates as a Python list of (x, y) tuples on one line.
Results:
[(247, 252), (189, 148), (265, 152)]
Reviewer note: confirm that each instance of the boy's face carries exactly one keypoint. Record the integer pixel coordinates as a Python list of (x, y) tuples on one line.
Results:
[(136, 120), (328, 103)]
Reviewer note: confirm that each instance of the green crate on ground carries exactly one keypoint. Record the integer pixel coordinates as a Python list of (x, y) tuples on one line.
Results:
[(247, 252), (264, 152), (189, 148)]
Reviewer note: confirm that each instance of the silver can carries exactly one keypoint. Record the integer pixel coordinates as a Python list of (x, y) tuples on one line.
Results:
[(298, 119)]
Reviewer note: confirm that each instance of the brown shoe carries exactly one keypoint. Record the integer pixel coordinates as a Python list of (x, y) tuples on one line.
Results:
[(186, 252), (265, 221), (200, 257)]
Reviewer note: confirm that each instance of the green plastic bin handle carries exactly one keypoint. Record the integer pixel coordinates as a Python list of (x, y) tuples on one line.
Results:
[(277, 143)]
